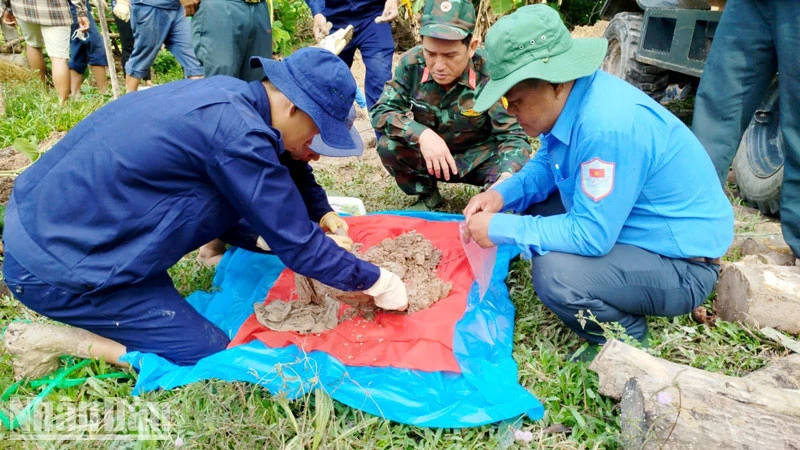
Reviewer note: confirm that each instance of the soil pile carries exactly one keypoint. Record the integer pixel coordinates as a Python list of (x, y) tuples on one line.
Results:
[(410, 256), (594, 31)]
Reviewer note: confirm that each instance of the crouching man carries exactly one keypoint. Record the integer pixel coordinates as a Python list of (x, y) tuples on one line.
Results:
[(636, 220), (93, 226)]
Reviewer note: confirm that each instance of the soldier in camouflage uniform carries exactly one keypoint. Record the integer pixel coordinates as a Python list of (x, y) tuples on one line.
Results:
[(430, 130)]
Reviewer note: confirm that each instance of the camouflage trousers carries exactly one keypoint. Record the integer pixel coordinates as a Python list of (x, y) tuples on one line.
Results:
[(479, 166)]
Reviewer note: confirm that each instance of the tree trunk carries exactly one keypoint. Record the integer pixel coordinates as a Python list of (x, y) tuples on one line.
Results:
[(687, 408), (783, 373), (764, 239), (762, 295)]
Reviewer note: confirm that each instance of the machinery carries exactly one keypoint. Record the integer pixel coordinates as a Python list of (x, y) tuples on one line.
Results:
[(654, 42)]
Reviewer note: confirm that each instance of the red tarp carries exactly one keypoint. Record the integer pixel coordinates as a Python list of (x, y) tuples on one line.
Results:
[(420, 341)]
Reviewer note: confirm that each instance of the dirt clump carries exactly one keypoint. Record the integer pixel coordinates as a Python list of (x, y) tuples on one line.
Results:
[(411, 256), (591, 31), (13, 161), (414, 259)]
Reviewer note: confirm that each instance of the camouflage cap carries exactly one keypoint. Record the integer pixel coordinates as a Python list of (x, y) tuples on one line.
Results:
[(452, 20)]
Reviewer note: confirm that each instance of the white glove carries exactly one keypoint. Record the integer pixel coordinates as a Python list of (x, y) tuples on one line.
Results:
[(122, 9), (389, 292)]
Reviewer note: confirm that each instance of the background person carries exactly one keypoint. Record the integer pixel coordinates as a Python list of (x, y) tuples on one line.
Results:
[(754, 41), (372, 36), (89, 51), (46, 24), (156, 23)]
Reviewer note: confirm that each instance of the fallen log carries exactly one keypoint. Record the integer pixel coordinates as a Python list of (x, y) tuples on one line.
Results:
[(783, 373), (688, 408), (762, 295), (764, 237)]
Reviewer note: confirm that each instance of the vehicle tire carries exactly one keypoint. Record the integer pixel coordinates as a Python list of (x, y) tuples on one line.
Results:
[(758, 164), (623, 34)]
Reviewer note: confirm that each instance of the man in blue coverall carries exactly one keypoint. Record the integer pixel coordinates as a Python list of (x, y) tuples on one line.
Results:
[(643, 220), (372, 35), (755, 40), (92, 227)]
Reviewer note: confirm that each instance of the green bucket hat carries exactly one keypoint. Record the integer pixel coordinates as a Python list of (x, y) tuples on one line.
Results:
[(533, 42), (452, 20)]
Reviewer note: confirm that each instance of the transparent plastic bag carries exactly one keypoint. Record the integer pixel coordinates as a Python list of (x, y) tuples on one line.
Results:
[(481, 260)]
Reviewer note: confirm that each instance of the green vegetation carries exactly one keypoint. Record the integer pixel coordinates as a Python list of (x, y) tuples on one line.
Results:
[(218, 414)]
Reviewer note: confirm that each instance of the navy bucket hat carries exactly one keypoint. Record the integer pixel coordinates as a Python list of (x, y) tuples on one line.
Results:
[(317, 146), (321, 85)]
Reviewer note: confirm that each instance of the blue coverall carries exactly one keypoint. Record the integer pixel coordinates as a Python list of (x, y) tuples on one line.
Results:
[(755, 40), (640, 197), (92, 227), (374, 40)]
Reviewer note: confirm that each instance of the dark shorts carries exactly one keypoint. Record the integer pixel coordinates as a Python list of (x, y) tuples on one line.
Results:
[(150, 316), (89, 52)]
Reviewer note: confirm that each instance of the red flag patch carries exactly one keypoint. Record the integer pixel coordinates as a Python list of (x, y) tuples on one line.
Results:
[(597, 178)]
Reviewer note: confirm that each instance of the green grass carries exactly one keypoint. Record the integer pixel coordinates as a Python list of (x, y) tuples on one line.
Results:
[(217, 414), (33, 114)]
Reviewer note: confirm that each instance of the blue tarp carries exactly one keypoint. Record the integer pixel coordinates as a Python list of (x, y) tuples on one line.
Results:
[(485, 391)]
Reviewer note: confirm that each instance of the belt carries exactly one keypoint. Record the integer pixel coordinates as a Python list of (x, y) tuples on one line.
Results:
[(715, 261), (253, 1)]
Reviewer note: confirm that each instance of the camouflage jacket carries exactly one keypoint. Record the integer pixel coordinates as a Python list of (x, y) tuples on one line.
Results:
[(412, 101)]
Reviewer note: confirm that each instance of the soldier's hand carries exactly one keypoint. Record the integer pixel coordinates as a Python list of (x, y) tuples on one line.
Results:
[(389, 12), (190, 7), (321, 27), (490, 201), (478, 229), (438, 159)]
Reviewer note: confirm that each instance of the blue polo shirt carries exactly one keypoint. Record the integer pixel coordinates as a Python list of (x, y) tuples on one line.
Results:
[(628, 172), (346, 11), (154, 175)]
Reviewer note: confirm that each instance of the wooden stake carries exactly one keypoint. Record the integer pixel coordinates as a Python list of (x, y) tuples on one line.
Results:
[(2, 102), (112, 67)]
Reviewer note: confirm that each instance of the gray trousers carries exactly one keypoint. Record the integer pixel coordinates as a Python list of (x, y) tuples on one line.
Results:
[(625, 286)]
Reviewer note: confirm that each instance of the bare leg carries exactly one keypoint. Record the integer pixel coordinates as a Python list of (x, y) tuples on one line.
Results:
[(99, 74), (131, 83), (75, 81), (211, 254), (36, 61), (61, 77), (36, 347)]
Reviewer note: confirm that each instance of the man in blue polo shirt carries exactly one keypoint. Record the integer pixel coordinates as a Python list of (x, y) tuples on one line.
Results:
[(643, 220), (93, 226)]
